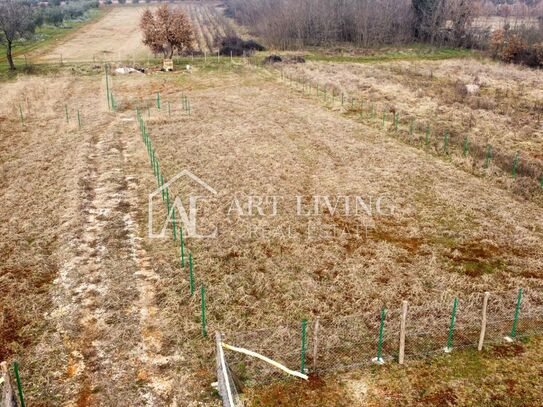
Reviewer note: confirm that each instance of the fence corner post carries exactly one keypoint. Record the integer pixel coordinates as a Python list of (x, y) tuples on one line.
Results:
[(7, 395), (223, 382)]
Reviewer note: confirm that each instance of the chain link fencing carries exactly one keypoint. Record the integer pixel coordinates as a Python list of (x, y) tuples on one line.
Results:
[(353, 342)]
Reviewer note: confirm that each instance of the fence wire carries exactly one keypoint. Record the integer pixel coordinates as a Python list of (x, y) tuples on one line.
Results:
[(352, 342)]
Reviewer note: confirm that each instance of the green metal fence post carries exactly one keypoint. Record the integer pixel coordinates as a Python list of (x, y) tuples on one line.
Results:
[(107, 89), (202, 293), (446, 142), (466, 146), (517, 311), (158, 100), (304, 326), (191, 275), (78, 119), (488, 156), (427, 134), (384, 119), (161, 177), (379, 358), (451, 327), (174, 224), (181, 246), (19, 385), (66, 112)]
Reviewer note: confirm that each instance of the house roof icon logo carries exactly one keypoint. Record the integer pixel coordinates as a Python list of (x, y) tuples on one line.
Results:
[(188, 219)]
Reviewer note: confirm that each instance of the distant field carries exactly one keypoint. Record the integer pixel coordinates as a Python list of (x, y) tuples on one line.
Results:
[(117, 36), (506, 113), (495, 23)]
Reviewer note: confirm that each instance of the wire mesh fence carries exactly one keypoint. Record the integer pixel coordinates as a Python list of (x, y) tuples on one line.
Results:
[(355, 342)]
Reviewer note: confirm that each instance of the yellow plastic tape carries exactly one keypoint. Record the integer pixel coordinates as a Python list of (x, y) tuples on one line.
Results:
[(265, 359)]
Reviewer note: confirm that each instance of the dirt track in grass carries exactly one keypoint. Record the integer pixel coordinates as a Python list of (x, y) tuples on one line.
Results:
[(80, 289), (114, 37)]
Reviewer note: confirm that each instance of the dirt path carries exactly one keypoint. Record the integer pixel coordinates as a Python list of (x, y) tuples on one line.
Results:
[(113, 37), (108, 287)]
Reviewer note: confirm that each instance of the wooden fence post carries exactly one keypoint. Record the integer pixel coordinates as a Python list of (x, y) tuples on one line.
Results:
[(402, 333), (483, 323), (8, 396), (315, 342)]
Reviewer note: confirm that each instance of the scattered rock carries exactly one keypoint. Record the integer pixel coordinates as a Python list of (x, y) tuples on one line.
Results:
[(271, 59), (125, 69), (472, 89)]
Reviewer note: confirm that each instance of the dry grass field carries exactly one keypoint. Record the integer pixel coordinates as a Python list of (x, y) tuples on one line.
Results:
[(99, 314), (114, 302), (507, 112)]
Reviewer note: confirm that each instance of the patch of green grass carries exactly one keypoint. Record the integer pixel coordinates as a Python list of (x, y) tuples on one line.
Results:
[(416, 53), (507, 374)]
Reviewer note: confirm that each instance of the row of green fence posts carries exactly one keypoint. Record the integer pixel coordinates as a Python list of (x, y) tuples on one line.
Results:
[(170, 208), (446, 136), (67, 116), (449, 346)]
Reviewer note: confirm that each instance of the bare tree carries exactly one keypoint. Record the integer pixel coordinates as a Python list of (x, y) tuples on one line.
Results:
[(16, 20), (168, 31)]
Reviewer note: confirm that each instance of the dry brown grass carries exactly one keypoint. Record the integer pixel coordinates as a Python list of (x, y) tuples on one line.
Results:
[(111, 311), (452, 233), (507, 113)]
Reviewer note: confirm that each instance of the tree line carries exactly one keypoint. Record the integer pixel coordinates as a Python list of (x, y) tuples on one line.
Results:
[(299, 23)]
